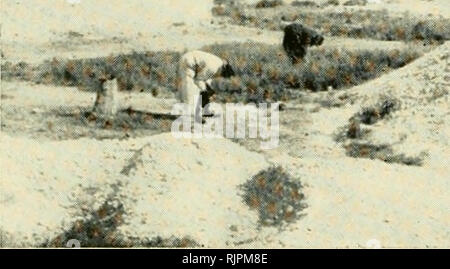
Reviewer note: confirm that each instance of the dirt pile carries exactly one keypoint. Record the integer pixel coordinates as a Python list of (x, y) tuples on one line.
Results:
[(47, 186), (418, 84), (189, 187), (353, 202), (168, 187), (417, 128)]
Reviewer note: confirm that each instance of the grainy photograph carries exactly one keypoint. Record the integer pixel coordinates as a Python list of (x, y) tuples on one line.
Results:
[(236, 124)]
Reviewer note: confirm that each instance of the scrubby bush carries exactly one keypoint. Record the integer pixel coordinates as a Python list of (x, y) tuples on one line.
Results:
[(354, 130), (304, 4), (373, 24), (275, 195), (350, 131), (367, 116), (263, 72), (220, 11), (382, 152), (226, 10), (354, 136), (355, 3), (268, 3), (171, 242), (136, 71), (225, 2), (384, 107), (21, 71), (430, 30), (332, 3), (100, 230), (127, 120)]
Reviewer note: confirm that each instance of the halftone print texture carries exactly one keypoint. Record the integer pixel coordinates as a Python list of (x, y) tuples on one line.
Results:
[(312, 124)]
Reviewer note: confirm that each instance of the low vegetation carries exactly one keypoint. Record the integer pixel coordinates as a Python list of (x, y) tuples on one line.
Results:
[(268, 3), (371, 24), (367, 116), (100, 230), (127, 121), (384, 107), (304, 4), (263, 72), (355, 3), (332, 3), (382, 152), (355, 137), (275, 195)]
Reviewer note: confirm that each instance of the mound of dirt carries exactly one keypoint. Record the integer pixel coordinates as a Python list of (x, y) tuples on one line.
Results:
[(355, 202), (419, 127), (169, 187), (189, 187), (45, 187), (417, 84)]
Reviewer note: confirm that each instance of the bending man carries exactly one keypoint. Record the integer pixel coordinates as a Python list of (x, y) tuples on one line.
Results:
[(196, 70)]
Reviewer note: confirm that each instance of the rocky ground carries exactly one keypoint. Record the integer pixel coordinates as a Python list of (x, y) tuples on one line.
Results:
[(57, 172)]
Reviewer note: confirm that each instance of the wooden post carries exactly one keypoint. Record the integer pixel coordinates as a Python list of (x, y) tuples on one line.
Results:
[(106, 104)]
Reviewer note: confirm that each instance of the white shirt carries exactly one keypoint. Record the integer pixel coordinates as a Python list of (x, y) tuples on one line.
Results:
[(201, 66)]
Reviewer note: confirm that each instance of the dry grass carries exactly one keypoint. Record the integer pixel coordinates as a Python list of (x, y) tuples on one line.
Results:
[(263, 72), (99, 229), (275, 195), (371, 24)]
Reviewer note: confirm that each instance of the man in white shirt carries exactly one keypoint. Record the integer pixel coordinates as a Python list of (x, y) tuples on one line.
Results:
[(195, 71)]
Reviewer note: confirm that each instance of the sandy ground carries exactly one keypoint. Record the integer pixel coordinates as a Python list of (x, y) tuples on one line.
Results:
[(420, 8), (49, 180), (112, 32), (357, 199)]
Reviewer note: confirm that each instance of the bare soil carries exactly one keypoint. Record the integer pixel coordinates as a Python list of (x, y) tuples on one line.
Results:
[(57, 166)]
